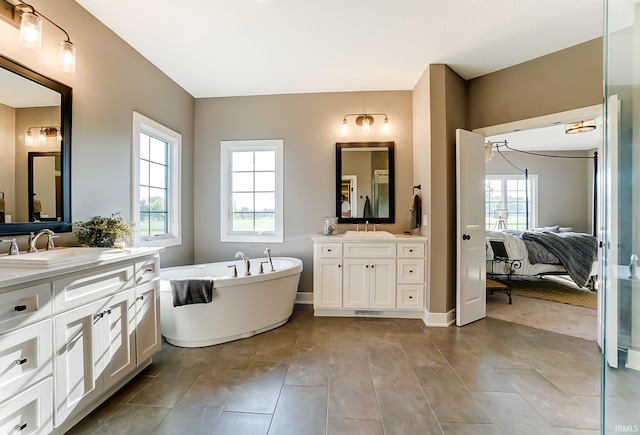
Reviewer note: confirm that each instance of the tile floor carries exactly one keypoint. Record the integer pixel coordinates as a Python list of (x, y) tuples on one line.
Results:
[(319, 375)]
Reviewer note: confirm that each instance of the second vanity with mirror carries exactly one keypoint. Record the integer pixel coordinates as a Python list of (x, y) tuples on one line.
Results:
[(369, 274)]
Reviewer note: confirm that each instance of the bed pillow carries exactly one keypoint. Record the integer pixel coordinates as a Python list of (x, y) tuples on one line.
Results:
[(553, 229), (565, 229)]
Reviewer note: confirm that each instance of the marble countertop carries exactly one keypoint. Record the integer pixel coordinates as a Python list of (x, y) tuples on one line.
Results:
[(10, 276)]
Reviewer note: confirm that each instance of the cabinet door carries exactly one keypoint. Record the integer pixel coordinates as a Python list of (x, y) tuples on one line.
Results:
[(148, 339), (382, 287), (78, 342), (356, 283), (118, 327), (327, 283)]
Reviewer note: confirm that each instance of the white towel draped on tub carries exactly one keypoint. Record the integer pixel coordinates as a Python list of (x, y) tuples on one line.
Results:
[(192, 291)]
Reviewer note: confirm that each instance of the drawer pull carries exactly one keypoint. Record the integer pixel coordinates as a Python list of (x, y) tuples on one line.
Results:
[(21, 361), (149, 269), (410, 271), (21, 426), (410, 297), (410, 250), (328, 250), (139, 298), (20, 307)]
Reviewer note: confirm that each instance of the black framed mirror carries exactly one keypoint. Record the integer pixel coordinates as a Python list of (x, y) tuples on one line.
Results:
[(365, 182), (32, 102)]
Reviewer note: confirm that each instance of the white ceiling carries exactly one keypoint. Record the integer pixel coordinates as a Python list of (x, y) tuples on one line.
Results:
[(550, 138), (215, 48)]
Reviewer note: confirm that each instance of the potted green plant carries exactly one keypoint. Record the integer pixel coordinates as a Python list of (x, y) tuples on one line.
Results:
[(104, 232)]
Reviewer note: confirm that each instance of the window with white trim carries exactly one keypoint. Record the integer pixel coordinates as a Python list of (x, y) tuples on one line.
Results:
[(506, 201), (156, 183), (251, 191)]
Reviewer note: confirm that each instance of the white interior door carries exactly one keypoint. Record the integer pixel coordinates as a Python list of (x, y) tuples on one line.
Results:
[(470, 243), (609, 263)]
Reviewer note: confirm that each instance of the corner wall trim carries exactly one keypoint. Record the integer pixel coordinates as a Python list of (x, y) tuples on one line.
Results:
[(441, 320)]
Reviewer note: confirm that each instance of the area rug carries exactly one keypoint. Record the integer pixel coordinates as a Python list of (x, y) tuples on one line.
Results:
[(554, 288), (550, 316)]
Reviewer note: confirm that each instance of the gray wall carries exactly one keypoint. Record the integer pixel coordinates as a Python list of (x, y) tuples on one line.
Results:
[(310, 125), (564, 186), (111, 81)]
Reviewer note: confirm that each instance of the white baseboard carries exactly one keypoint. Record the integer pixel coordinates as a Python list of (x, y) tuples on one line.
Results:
[(633, 359), (304, 298), (441, 320)]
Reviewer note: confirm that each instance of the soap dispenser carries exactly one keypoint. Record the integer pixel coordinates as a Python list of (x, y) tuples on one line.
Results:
[(633, 266)]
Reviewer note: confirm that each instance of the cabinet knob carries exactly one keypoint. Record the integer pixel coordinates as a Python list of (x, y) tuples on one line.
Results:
[(21, 361), (149, 269), (410, 250), (139, 298), (99, 316), (107, 312), (339, 265), (410, 297), (20, 307), (21, 426), (328, 250), (410, 271), (372, 266), (367, 266)]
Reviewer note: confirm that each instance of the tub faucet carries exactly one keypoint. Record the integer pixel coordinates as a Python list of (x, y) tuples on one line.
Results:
[(268, 252), (247, 263), (33, 239)]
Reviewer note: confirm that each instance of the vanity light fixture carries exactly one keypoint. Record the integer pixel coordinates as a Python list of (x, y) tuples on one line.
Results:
[(365, 120), (29, 21), (44, 132), (580, 127)]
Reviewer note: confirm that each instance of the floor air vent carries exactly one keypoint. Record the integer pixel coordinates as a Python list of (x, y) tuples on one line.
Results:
[(368, 313)]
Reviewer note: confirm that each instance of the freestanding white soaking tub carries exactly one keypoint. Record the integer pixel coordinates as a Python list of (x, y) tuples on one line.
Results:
[(241, 307)]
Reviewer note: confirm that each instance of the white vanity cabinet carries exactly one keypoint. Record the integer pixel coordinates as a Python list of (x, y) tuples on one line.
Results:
[(369, 277), (71, 336)]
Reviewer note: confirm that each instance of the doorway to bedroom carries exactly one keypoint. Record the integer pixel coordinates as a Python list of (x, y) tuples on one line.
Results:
[(538, 177)]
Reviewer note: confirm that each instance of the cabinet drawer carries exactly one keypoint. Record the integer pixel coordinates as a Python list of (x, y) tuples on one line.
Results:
[(147, 270), (24, 306), (329, 250), (84, 288), (410, 271), (370, 250), (410, 296), (411, 250), (29, 412), (25, 358)]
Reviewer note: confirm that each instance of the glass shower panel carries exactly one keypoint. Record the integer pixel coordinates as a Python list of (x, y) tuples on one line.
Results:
[(620, 220)]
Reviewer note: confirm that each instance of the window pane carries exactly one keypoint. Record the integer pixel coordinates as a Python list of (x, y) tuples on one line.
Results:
[(265, 160), (144, 224), (265, 181), (144, 199), (243, 222), (144, 172), (158, 150), (265, 222), (144, 146), (242, 202), (242, 182), (158, 175), (157, 223), (241, 161), (157, 200), (266, 202)]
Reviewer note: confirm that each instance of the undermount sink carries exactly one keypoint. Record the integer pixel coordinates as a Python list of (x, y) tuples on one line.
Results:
[(369, 235), (57, 257)]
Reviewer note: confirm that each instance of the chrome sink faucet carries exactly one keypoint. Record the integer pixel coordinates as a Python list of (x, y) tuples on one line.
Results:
[(247, 263), (33, 239), (268, 252)]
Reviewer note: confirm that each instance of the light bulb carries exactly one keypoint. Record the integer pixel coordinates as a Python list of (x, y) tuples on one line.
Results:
[(30, 31), (67, 56), (42, 137), (28, 139), (365, 125), (345, 128), (386, 128)]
